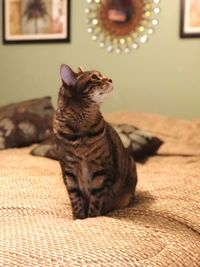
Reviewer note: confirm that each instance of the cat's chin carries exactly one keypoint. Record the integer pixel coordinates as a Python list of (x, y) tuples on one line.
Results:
[(99, 97), (109, 91)]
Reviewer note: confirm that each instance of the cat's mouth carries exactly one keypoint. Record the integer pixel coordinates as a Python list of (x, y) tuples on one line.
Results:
[(108, 88), (104, 92)]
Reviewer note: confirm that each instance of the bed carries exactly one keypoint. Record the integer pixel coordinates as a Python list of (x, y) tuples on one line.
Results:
[(161, 228)]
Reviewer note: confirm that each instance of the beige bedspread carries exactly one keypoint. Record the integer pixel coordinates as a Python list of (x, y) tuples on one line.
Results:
[(162, 228)]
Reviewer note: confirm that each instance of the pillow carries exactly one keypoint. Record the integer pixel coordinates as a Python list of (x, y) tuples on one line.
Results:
[(25, 123), (140, 144), (46, 149)]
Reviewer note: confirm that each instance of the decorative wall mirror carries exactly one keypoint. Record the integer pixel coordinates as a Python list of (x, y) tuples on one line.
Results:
[(121, 25)]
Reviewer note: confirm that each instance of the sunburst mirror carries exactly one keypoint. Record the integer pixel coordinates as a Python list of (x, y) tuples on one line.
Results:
[(122, 25)]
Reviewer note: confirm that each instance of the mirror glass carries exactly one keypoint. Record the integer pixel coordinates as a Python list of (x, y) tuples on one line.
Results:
[(120, 11)]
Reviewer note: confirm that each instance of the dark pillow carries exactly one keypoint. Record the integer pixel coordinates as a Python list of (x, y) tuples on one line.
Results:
[(25, 123), (46, 149), (139, 143)]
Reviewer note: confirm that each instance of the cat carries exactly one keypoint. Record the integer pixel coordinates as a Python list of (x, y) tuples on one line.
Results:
[(98, 172)]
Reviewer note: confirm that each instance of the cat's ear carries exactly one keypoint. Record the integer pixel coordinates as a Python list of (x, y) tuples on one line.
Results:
[(80, 70), (67, 75)]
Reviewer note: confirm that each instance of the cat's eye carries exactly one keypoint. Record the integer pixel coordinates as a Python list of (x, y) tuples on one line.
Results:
[(95, 77)]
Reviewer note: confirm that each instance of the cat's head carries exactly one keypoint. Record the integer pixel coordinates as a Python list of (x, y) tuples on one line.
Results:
[(84, 86)]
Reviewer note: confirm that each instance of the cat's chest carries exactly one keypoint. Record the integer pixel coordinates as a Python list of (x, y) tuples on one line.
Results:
[(84, 176), (85, 173), (85, 145)]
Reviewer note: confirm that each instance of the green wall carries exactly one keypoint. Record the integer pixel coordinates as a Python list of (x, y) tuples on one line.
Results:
[(163, 76)]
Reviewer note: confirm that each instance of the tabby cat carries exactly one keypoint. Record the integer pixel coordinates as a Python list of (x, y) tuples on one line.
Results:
[(98, 172)]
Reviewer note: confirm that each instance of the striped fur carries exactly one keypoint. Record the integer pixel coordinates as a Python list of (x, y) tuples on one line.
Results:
[(98, 172)]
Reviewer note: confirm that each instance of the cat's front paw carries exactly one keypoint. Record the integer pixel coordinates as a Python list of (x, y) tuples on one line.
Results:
[(94, 213), (80, 215)]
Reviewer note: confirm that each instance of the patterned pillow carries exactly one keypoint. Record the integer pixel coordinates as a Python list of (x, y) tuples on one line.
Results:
[(25, 123), (46, 149), (139, 143)]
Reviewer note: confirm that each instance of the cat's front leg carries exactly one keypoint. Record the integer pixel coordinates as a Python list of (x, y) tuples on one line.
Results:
[(75, 195), (99, 192)]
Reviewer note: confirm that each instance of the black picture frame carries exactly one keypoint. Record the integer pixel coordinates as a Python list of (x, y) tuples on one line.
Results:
[(55, 35), (190, 19)]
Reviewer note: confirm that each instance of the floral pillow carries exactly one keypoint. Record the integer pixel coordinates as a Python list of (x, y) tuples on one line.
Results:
[(25, 123), (139, 143)]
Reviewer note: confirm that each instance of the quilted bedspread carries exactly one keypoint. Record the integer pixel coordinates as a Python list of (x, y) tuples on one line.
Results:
[(161, 228)]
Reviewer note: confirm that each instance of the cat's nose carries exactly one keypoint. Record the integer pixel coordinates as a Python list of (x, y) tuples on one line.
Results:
[(106, 80)]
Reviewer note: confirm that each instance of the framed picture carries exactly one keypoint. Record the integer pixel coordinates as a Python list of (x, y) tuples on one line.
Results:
[(36, 21), (190, 18)]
